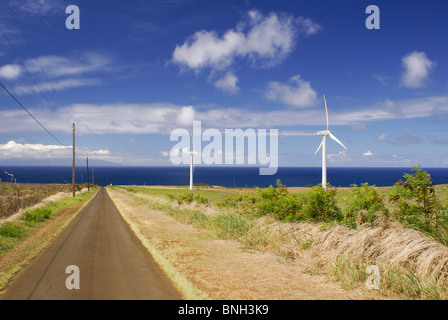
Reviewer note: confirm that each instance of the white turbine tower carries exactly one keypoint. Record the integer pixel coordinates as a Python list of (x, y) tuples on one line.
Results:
[(192, 155), (323, 145)]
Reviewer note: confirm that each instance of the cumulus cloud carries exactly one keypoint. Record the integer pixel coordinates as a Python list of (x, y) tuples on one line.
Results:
[(264, 41), (13, 150), (185, 116), (260, 38), (228, 83), (416, 69), (10, 71), (295, 93)]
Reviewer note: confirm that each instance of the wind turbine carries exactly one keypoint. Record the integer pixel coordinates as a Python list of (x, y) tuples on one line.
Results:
[(323, 145)]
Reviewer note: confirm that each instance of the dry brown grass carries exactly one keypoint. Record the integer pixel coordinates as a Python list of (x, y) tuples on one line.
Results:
[(390, 244)]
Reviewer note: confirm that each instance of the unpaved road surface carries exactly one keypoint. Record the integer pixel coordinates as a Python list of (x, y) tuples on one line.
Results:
[(112, 262)]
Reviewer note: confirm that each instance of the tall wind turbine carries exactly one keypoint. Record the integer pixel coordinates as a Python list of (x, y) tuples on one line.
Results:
[(323, 145)]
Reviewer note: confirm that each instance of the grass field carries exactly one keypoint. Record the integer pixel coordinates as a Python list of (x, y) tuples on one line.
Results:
[(368, 227)]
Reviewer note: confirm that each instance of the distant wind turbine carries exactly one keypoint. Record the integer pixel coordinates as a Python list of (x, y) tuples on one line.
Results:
[(323, 145)]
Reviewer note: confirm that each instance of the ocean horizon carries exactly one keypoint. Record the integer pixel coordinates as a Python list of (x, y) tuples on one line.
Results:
[(225, 176)]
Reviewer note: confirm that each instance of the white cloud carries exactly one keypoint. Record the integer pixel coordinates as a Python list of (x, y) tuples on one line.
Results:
[(162, 118), (368, 153), (266, 40), (13, 150), (228, 83), (382, 137), (416, 69), (308, 26), (296, 93), (56, 85), (57, 66), (101, 152), (61, 70), (10, 71), (186, 116)]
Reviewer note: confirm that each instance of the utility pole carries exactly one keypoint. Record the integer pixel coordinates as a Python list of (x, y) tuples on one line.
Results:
[(73, 167), (88, 180)]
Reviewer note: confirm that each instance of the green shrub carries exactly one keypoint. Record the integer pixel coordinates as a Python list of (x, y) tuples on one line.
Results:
[(320, 205), (36, 215), (188, 197), (12, 230), (365, 206), (200, 199), (278, 202), (417, 204)]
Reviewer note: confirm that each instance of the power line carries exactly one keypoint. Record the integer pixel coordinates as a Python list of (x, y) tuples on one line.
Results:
[(34, 54), (30, 114), (32, 78), (26, 69)]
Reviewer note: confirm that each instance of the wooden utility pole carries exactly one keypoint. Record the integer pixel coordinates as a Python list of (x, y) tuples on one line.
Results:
[(88, 180), (73, 167)]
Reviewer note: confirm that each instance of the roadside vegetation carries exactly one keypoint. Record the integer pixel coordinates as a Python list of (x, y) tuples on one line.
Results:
[(13, 232), (25, 236), (15, 196), (402, 229)]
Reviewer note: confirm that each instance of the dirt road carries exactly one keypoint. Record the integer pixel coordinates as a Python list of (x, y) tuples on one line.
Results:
[(112, 262)]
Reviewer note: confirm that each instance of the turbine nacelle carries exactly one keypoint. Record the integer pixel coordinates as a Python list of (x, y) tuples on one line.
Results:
[(323, 133)]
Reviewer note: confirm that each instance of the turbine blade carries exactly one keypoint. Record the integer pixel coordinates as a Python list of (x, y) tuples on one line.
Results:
[(320, 146), (326, 113), (336, 139)]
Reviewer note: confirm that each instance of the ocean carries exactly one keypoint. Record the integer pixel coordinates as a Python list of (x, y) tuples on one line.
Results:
[(228, 176)]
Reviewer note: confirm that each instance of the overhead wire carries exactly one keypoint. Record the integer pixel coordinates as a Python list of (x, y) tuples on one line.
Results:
[(35, 82), (31, 115), (34, 54)]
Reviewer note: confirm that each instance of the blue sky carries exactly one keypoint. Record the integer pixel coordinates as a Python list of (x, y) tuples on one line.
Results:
[(137, 70)]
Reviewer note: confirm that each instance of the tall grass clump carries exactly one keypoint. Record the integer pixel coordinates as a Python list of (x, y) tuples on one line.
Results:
[(231, 225)]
